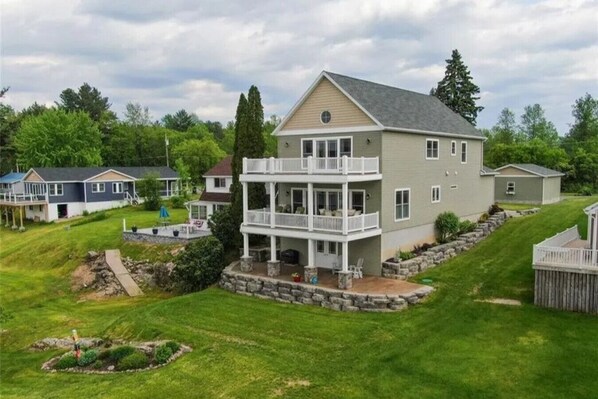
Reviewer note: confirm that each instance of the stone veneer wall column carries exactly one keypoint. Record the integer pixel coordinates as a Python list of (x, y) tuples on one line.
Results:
[(246, 263), (273, 268)]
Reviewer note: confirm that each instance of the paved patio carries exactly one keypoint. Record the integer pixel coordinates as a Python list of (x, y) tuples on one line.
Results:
[(366, 285), (165, 235)]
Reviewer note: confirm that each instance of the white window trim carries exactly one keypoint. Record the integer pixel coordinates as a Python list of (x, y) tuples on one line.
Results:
[(453, 148), (55, 185), (220, 180), (122, 188), (338, 144), (437, 150), (464, 152), (395, 204), (510, 192), (103, 185), (432, 194), (325, 123)]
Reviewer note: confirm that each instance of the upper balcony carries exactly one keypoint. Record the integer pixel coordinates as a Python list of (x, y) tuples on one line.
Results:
[(310, 168), (10, 198)]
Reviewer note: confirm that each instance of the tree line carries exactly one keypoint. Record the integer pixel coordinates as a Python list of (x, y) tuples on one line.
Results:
[(80, 129), (534, 139)]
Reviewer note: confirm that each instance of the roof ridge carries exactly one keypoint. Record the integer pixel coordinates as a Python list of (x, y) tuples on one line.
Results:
[(379, 84)]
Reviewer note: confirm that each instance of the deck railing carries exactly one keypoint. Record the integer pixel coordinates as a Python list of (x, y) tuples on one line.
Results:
[(21, 198), (552, 251), (310, 165), (320, 223)]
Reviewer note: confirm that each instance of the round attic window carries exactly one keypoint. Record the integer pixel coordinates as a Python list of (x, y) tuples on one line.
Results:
[(325, 117)]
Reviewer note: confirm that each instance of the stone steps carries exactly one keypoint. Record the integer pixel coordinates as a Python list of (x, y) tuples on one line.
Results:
[(122, 274)]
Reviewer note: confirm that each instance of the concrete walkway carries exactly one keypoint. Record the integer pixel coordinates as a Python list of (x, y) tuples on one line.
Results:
[(122, 275)]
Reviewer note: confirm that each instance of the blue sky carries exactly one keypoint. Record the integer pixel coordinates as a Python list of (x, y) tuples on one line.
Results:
[(200, 55)]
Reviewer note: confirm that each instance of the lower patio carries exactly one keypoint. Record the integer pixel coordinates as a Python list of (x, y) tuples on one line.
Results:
[(166, 234), (370, 293)]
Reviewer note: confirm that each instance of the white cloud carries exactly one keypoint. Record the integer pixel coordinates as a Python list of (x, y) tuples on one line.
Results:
[(201, 55)]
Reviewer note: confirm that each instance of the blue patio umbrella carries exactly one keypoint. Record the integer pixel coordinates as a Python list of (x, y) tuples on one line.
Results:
[(164, 212)]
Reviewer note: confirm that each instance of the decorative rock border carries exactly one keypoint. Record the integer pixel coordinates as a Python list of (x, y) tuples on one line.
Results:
[(307, 294), (436, 255), (46, 366)]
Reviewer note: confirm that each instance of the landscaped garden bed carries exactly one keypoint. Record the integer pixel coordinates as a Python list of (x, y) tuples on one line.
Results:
[(131, 357)]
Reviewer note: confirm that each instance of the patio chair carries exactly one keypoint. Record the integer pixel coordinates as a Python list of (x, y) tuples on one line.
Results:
[(357, 269), (335, 268)]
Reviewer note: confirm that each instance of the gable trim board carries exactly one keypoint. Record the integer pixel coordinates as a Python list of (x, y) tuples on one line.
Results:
[(109, 172), (522, 168), (33, 176)]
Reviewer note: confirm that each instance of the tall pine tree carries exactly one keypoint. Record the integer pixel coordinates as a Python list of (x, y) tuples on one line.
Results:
[(457, 90), (249, 143)]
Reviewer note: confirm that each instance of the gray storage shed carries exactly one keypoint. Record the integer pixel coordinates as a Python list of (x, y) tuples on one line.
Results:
[(527, 183)]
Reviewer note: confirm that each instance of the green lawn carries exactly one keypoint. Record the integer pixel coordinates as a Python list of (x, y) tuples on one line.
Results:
[(448, 347)]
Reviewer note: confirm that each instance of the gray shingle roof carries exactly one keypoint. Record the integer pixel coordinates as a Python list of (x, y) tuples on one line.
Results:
[(404, 109), (488, 171), (81, 174), (535, 169)]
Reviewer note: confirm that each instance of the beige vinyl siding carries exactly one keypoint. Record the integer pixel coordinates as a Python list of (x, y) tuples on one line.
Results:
[(110, 176), (511, 171), (552, 190), (33, 176), (404, 165), (290, 146), (528, 189), (326, 97)]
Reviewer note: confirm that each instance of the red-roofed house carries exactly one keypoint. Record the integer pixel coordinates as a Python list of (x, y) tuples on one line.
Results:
[(215, 196)]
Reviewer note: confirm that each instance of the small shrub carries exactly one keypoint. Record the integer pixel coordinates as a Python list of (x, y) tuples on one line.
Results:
[(177, 202), (66, 362), (103, 355), (149, 188), (447, 225), (173, 346), (585, 191), (88, 358), (494, 208), (85, 212), (483, 218), (163, 353), (98, 364), (199, 265), (136, 360), (121, 352), (466, 226)]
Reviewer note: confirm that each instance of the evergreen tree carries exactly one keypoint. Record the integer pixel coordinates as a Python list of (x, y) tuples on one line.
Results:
[(255, 143), (181, 121), (457, 90), (237, 161)]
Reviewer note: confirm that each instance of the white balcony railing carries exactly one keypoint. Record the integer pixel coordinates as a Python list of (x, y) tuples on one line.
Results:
[(320, 223), (553, 251), (21, 198), (344, 165)]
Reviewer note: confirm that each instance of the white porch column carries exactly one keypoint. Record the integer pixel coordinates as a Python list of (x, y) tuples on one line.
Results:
[(245, 202), (345, 257), (345, 199), (310, 209), (311, 252), (245, 244), (273, 248), (272, 205)]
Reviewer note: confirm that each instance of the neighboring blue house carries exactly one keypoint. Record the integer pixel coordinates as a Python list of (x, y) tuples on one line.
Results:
[(54, 193), (12, 183)]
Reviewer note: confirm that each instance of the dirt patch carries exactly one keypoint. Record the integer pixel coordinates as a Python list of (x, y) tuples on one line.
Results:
[(501, 301), (82, 278), (289, 384)]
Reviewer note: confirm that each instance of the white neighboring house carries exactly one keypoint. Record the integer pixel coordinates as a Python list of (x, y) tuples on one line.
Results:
[(216, 195), (12, 183)]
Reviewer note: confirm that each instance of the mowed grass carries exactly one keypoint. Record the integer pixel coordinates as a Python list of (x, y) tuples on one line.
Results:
[(451, 346)]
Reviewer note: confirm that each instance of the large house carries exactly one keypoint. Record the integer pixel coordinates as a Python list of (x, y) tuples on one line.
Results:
[(527, 183), (215, 196), (363, 170), (54, 193)]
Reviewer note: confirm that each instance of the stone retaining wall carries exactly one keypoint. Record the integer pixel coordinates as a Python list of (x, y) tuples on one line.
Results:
[(307, 294), (441, 253), (155, 239)]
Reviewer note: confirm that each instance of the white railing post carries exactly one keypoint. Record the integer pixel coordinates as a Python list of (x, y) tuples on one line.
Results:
[(310, 207), (345, 199), (362, 165), (345, 165), (124, 225), (271, 165), (272, 205), (362, 221), (245, 202), (244, 165), (310, 166)]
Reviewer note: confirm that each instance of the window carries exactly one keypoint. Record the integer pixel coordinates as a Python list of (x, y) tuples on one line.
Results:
[(325, 117), (329, 148), (511, 187), (431, 149), (435, 194), (453, 148), (194, 212), (98, 187), (56, 189), (402, 204), (464, 152), (307, 148), (345, 145), (297, 199), (320, 246), (117, 188), (203, 212), (219, 207), (357, 202), (220, 182)]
